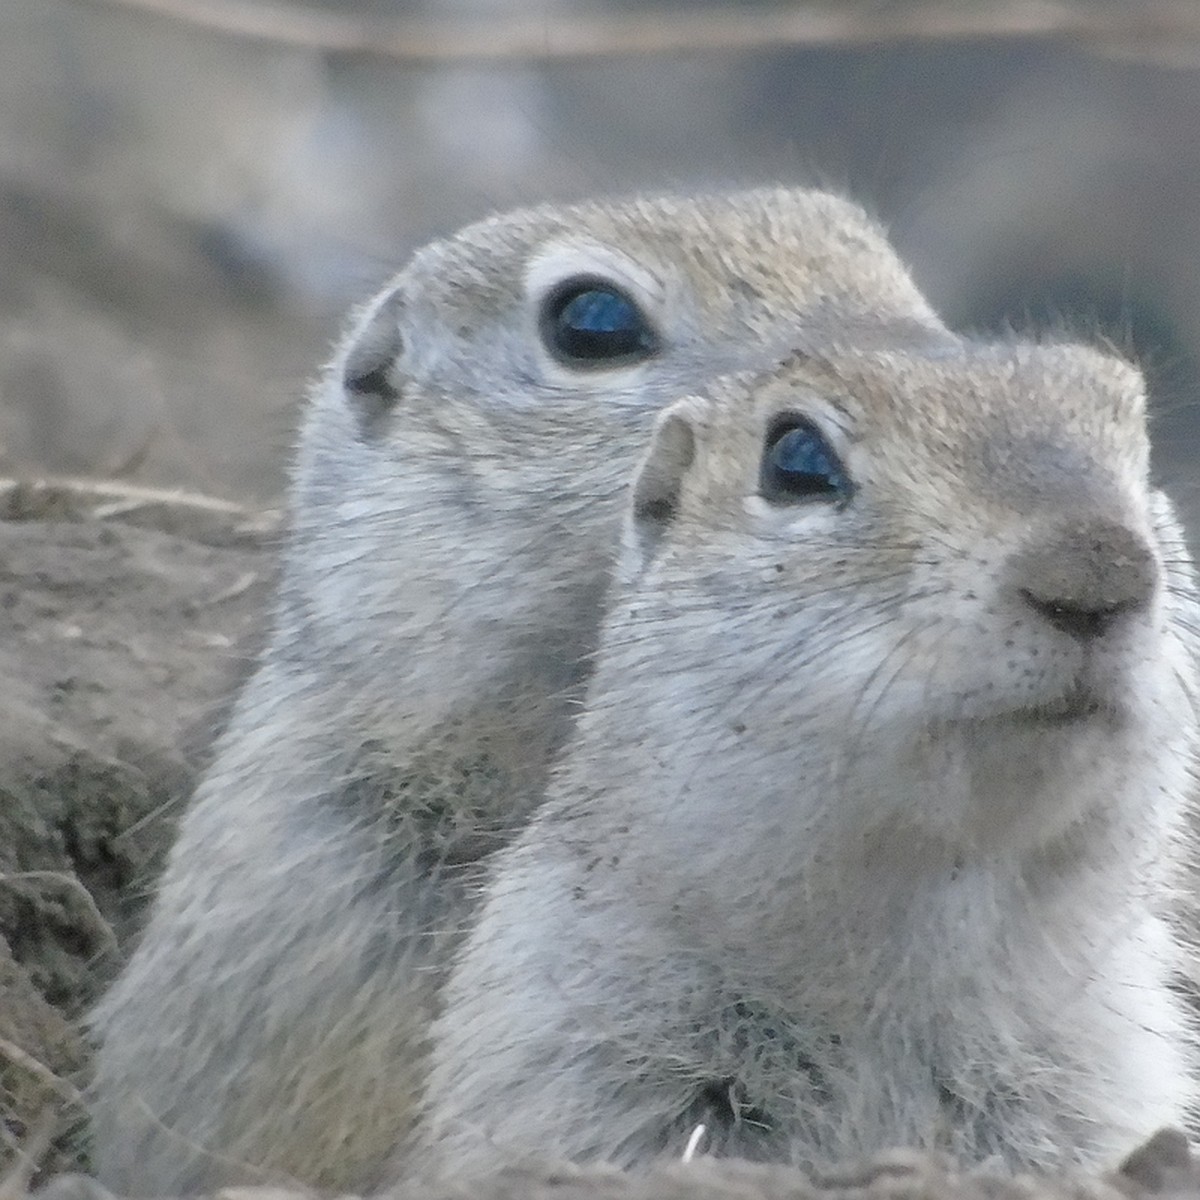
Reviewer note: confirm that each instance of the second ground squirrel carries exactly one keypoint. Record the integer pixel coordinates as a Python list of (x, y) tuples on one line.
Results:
[(868, 832)]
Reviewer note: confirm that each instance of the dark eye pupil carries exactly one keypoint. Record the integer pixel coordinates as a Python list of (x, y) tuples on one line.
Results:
[(800, 464), (595, 323)]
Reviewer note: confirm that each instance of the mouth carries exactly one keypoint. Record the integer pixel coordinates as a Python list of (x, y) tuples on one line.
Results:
[(1067, 712), (1079, 705)]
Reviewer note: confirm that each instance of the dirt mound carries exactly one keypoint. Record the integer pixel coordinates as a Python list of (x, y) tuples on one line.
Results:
[(129, 616), (1164, 1168)]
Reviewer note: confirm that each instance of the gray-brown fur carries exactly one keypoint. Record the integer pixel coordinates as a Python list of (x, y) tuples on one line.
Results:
[(454, 516), (868, 832)]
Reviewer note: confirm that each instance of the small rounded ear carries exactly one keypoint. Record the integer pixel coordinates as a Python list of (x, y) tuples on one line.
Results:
[(659, 480), (369, 360)]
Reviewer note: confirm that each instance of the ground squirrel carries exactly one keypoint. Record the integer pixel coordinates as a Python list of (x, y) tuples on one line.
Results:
[(867, 830), (455, 511)]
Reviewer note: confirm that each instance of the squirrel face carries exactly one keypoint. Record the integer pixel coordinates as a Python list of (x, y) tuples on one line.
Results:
[(606, 308), (631, 300), (460, 478), (910, 605)]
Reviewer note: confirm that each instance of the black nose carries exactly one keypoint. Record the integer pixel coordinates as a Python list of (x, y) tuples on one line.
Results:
[(1083, 575)]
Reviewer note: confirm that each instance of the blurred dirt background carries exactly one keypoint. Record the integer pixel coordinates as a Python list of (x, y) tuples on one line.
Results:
[(193, 191)]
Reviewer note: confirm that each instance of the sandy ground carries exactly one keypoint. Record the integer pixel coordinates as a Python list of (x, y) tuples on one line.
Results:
[(128, 618)]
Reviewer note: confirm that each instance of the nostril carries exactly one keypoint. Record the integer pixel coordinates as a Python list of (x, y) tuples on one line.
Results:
[(1081, 621), (1082, 576)]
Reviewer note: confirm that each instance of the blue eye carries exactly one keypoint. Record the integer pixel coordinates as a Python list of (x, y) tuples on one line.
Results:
[(799, 464), (588, 322)]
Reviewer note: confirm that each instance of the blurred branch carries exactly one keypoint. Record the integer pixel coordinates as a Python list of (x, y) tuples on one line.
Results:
[(1149, 28)]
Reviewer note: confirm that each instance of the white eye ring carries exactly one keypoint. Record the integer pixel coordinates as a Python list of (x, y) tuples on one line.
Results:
[(573, 258), (568, 259)]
